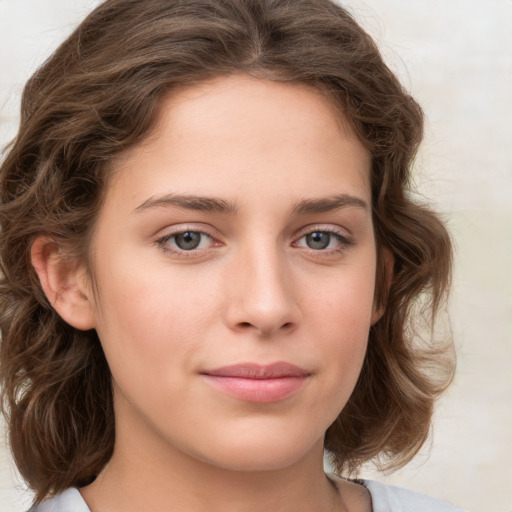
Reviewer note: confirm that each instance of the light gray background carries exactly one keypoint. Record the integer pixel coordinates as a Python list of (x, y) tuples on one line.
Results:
[(456, 58)]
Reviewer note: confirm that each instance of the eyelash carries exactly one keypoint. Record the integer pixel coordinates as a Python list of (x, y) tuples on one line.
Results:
[(344, 242), (163, 243)]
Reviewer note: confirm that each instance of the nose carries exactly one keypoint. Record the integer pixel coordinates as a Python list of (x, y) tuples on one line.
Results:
[(262, 296)]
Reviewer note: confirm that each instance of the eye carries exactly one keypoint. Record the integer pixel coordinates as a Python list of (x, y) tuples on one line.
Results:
[(185, 241), (189, 240), (318, 240), (323, 240)]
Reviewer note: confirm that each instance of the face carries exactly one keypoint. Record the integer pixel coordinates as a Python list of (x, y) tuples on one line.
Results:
[(235, 262)]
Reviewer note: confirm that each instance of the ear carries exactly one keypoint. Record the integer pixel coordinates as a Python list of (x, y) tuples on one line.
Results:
[(384, 278), (65, 283)]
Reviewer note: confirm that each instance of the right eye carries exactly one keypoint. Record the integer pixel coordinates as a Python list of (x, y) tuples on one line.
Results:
[(185, 241)]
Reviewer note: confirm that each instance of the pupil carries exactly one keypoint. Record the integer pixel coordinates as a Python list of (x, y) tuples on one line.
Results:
[(318, 240), (188, 240)]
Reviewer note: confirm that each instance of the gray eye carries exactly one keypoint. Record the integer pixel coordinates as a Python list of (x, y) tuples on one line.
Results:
[(318, 240), (188, 241)]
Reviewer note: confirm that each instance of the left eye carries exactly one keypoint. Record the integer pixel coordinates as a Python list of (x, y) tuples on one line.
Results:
[(188, 240), (320, 240)]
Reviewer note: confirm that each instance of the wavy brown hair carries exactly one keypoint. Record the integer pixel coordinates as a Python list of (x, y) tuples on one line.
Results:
[(97, 96)]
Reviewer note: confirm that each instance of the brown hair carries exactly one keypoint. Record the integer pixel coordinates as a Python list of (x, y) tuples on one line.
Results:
[(99, 95)]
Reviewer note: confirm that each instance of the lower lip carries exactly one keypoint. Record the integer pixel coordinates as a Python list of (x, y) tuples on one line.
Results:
[(257, 390)]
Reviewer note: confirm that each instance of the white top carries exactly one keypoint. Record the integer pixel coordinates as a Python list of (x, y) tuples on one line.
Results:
[(385, 498)]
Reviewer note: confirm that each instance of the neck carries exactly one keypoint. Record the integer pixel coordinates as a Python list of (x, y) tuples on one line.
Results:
[(135, 481), (148, 472)]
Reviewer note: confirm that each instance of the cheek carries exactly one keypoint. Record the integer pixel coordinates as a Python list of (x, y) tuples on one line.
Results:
[(344, 303), (342, 320), (148, 324)]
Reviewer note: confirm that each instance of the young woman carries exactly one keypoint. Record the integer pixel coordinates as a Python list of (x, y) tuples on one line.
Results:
[(211, 265)]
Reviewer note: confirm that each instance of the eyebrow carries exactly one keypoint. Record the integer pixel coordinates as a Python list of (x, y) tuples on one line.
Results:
[(212, 204), (189, 202), (327, 204)]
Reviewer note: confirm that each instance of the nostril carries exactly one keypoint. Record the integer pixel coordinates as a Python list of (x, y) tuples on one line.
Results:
[(248, 325)]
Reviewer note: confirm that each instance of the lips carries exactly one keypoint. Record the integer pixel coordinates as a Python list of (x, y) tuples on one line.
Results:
[(258, 383)]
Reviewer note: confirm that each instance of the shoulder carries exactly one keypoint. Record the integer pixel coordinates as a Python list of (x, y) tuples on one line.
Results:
[(385, 498), (69, 500), (388, 498)]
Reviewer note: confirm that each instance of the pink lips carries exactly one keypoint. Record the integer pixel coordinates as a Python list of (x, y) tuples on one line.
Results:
[(256, 383)]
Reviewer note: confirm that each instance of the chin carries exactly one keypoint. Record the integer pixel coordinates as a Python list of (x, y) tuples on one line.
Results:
[(256, 452)]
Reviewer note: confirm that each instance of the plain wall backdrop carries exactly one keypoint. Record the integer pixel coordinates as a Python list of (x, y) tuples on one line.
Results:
[(455, 56)]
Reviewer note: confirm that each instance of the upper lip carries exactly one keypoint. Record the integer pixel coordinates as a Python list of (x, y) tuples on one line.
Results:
[(258, 372)]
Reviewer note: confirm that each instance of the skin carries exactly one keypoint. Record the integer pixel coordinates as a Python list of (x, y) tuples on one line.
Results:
[(256, 289)]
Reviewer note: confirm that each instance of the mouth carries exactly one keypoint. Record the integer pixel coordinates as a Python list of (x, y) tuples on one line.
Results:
[(258, 383)]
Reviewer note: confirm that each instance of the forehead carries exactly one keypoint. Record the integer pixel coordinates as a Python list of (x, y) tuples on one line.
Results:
[(242, 131)]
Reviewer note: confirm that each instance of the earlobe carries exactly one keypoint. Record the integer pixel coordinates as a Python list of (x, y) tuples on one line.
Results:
[(64, 282), (385, 271)]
